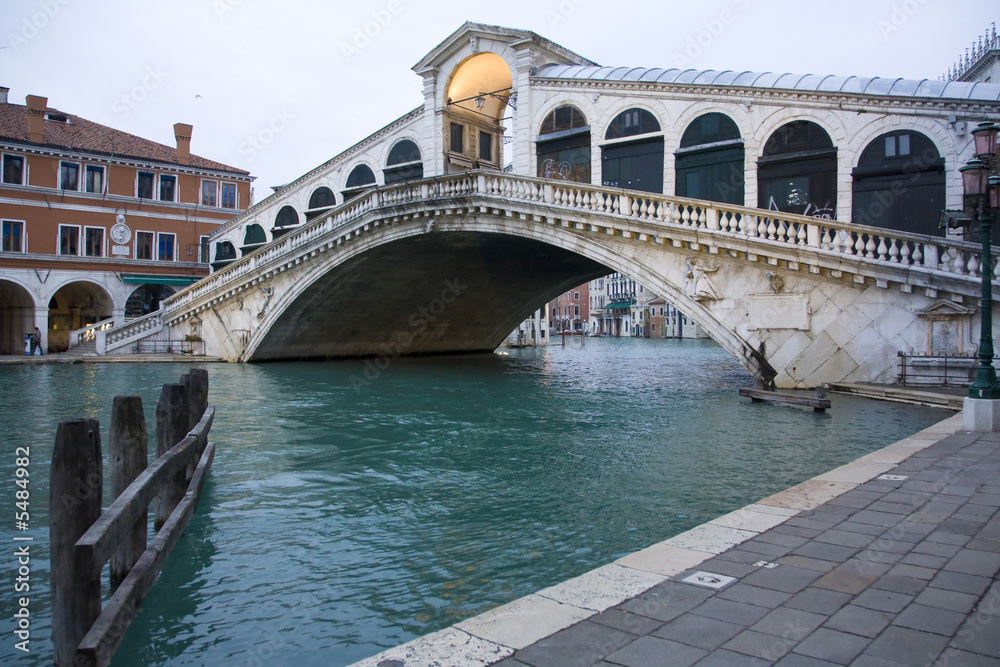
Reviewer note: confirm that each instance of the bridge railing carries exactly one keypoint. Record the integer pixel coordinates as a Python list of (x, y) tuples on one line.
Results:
[(768, 227)]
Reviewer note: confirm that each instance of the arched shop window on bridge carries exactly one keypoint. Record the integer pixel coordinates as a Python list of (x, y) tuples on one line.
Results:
[(146, 299), (321, 199), (253, 238), (286, 219), (635, 160), (797, 172), (899, 184), (563, 146), (361, 177), (225, 253), (709, 162), (403, 163)]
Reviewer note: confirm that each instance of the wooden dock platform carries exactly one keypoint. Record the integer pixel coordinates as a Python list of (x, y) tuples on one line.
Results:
[(819, 404)]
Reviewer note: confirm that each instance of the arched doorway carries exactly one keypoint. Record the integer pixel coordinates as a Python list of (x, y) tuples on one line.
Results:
[(899, 184), (17, 317), (634, 160), (563, 145), (797, 172), (286, 220), (360, 178), (146, 299), (75, 306), (709, 163), (225, 254), (403, 163), (475, 106), (322, 199)]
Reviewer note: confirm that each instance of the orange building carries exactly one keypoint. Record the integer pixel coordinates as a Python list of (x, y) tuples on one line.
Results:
[(99, 224)]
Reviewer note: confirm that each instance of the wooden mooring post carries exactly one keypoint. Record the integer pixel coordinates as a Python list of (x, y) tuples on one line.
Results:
[(83, 538)]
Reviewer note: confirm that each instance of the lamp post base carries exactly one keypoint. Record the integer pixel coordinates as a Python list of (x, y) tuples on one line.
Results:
[(981, 415)]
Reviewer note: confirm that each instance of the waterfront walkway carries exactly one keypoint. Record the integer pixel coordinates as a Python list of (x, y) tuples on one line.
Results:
[(890, 560)]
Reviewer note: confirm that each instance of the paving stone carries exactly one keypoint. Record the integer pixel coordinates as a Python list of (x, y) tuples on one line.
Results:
[(879, 600), (884, 519), (987, 499), (924, 560), (914, 571), (948, 538), (838, 647), (845, 538), (961, 582), (698, 631), (950, 600), (731, 612), (808, 563), (755, 595), (760, 645), (509, 662), (648, 650), (930, 619), (771, 551), (979, 544), (936, 549), (785, 529), (954, 656), (859, 621), (636, 624), (960, 527), (910, 647), (852, 501), (796, 660), (801, 521), (864, 528), (845, 579), (790, 541), (871, 661), (730, 568), (825, 551), (980, 563), (819, 601), (898, 584), (790, 624), (891, 507), (724, 658), (585, 643), (784, 578)]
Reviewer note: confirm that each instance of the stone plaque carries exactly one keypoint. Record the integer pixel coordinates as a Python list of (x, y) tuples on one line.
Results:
[(779, 311), (120, 250)]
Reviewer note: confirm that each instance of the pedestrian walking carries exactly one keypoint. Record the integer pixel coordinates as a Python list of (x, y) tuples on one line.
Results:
[(36, 341)]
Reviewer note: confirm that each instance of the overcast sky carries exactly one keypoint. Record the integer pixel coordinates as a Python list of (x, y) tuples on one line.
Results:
[(278, 88)]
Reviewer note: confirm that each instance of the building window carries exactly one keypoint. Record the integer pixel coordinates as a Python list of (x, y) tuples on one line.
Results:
[(144, 185), (228, 195), (897, 145), (13, 169), (69, 176), (403, 163), (576, 311), (13, 236), (485, 146), (144, 245), (165, 247), (93, 241), (204, 254), (208, 193), (168, 188), (69, 240), (94, 179), (576, 296), (457, 138)]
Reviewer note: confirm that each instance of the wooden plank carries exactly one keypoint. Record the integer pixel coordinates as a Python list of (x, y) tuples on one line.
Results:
[(786, 399), (98, 543), (172, 424), (127, 458), (75, 487), (100, 643)]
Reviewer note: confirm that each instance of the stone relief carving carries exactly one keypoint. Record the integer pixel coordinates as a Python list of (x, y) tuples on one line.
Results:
[(775, 281), (698, 281)]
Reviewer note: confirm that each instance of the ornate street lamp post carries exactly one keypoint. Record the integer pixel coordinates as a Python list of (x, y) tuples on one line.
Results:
[(982, 191)]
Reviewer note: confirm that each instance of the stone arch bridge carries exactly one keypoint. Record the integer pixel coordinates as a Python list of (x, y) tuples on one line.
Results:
[(452, 264)]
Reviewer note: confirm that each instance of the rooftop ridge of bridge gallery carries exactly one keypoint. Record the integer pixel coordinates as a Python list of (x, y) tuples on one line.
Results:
[(617, 608)]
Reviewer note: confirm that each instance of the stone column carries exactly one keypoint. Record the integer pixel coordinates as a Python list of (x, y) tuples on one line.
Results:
[(41, 320)]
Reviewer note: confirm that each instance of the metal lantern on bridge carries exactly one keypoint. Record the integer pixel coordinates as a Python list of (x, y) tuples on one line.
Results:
[(982, 191)]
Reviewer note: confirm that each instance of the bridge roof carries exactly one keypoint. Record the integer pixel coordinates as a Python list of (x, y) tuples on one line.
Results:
[(955, 90)]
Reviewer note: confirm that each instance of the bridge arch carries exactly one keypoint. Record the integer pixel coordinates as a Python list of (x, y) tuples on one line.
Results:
[(356, 278)]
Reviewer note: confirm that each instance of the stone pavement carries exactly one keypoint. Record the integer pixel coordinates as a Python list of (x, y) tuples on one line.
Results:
[(890, 560)]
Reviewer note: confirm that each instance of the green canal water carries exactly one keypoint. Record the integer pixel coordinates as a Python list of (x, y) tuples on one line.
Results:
[(350, 509)]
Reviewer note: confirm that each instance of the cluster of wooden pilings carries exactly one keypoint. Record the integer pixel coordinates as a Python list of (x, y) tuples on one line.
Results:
[(83, 538)]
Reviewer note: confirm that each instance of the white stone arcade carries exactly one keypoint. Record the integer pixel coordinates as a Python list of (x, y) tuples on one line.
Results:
[(361, 248)]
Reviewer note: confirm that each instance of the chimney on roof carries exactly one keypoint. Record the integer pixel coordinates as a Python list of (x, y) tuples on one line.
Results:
[(36, 118), (182, 133), (3, 94)]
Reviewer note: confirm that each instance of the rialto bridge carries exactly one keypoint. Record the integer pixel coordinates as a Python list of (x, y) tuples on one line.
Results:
[(415, 241)]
